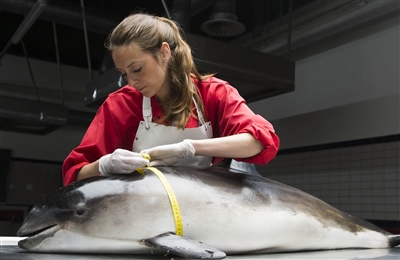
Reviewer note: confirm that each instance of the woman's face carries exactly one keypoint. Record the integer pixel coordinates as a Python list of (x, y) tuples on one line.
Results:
[(142, 71)]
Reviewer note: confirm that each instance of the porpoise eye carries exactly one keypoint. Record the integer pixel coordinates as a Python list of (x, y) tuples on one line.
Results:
[(80, 212)]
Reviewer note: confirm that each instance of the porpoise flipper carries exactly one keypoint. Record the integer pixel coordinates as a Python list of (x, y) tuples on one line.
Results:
[(184, 246)]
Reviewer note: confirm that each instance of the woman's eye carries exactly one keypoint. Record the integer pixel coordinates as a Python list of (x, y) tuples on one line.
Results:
[(123, 75), (138, 70)]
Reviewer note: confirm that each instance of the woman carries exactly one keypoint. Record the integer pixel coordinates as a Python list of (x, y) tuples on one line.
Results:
[(167, 110)]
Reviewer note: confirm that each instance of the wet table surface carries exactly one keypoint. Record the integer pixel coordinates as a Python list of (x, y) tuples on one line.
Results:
[(10, 251)]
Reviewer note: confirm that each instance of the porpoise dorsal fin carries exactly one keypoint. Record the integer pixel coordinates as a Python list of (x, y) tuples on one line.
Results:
[(184, 246), (225, 163)]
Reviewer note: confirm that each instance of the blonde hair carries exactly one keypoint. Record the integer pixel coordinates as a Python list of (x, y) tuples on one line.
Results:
[(149, 32)]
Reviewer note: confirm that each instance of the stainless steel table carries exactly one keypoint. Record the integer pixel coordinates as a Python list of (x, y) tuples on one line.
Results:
[(10, 251)]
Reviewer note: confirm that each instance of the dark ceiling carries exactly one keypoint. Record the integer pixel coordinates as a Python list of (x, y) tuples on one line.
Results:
[(101, 15), (259, 62), (73, 33)]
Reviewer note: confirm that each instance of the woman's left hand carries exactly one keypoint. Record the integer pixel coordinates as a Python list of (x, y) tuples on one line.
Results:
[(170, 154)]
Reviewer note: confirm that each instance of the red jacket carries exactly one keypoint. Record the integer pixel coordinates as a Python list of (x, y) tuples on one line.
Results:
[(118, 118)]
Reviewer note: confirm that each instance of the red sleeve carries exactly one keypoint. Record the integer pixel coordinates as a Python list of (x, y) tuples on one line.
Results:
[(114, 126), (230, 115)]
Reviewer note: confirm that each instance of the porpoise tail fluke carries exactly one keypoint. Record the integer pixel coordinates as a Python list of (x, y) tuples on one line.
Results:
[(394, 240)]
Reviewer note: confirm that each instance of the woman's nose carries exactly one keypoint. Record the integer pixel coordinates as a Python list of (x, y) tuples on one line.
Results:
[(132, 82)]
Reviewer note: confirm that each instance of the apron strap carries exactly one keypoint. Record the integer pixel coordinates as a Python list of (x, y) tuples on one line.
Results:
[(200, 115), (147, 115)]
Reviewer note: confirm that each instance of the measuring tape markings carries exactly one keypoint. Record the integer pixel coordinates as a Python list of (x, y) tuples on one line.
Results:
[(172, 198)]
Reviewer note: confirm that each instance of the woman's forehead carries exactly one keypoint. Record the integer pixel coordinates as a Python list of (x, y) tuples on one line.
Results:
[(131, 50), (125, 55)]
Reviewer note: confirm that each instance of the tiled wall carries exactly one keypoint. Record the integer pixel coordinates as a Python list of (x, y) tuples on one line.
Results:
[(29, 180), (360, 177), (26, 183)]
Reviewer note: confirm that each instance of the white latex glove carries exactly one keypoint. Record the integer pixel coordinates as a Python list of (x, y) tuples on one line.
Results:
[(170, 154), (121, 161)]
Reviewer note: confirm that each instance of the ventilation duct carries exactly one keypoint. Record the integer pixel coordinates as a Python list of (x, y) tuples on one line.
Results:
[(31, 116), (223, 20)]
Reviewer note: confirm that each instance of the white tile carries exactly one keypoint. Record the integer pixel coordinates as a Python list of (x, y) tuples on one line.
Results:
[(378, 177), (394, 208), (378, 147), (333, 200), (391, 161), (344, 178), (380, 161), (391, 216), (366, 163), (355, 202), (344, 200), (376, 185), (392, 200), (355, 185), (379, 215), (390, 184), (366, 148), (367, 215), (378, 192), (391, 146), (368, 185), (391, 192), (378, 200), (368, 207)]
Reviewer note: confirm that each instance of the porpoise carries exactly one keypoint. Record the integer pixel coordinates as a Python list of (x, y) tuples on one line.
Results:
[(220, 212)]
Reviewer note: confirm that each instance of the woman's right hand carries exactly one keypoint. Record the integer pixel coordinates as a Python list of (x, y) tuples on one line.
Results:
[(121, 161)]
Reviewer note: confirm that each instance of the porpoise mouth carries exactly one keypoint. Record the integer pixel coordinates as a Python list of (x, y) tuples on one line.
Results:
[(34, 238)]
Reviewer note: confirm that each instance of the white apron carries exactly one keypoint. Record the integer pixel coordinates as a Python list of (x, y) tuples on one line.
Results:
[(151, 134)]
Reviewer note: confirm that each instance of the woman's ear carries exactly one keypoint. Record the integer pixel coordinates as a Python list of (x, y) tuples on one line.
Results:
[(165, 52)]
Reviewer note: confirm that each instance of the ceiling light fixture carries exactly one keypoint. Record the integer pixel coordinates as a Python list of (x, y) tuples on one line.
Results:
[(223, 20)]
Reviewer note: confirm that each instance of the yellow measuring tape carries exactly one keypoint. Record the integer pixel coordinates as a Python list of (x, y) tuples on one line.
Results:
[(172, 198), (145, 156)]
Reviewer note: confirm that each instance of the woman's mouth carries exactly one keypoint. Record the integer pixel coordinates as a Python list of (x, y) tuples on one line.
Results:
[(140, 89)]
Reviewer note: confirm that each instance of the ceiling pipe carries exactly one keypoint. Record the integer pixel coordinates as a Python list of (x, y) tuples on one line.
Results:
[(181, 13), (26, 24), (30, 70), (58, 63), (28, 21), (85, 32), (166, 9), (70, 14), (289, 32), (197, 6)]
